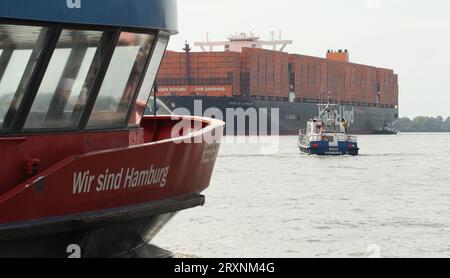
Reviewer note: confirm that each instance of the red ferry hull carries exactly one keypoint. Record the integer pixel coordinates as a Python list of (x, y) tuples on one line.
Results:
[(112, 201)]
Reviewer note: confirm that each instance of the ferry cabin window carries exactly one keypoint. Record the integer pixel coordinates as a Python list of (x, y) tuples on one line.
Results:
[(121, 80), (149, 80), (20, 47), (64, 89)]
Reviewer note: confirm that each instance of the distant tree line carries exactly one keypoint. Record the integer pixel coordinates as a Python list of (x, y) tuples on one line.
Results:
[(423, 124)]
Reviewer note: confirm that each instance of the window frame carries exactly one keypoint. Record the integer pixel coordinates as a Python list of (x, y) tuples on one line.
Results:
[(142, 79), (54, 31), (124, 123), (74, 127), (95, 90), (30, 84)]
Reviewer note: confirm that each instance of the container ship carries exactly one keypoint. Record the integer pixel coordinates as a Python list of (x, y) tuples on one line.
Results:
[(244, 74)]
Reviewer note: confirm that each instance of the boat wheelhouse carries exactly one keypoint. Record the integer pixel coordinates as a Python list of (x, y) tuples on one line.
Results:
[(82, 164), (325, 135), (387, 129)]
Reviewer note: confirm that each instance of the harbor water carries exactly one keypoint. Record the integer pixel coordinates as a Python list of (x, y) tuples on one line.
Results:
[(391, 201)]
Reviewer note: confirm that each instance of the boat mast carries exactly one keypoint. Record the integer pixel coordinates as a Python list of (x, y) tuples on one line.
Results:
[(328, 114), (187, 49)]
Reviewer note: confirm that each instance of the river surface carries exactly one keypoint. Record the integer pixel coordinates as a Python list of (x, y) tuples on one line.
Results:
[(391, 201)]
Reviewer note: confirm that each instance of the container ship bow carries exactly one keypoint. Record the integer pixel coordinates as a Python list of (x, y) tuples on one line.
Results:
[(244, 75), (84, 172)]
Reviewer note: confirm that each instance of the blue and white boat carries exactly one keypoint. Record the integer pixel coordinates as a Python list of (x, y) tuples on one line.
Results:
[(327, 135)]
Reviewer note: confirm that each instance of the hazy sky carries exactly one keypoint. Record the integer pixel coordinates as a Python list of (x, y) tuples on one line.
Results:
[(410, 36)]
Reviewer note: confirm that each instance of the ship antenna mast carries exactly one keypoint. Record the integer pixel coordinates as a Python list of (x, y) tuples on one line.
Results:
[(187, 48)]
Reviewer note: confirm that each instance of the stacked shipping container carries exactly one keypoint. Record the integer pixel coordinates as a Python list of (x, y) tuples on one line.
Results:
[(388, 86), (171, 67), (308, 76), (264, 73), (195, 68)]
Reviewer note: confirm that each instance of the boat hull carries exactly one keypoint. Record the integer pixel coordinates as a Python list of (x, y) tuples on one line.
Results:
[(324, 149), (124, 232), (385, 132), (291, 117), (113, 201)]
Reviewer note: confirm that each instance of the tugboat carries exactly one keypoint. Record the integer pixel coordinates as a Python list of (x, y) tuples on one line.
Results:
[(85, 173), (387, 129), (324, 136)]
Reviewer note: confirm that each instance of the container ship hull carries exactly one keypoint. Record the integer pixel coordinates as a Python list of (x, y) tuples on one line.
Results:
[(290, 117)]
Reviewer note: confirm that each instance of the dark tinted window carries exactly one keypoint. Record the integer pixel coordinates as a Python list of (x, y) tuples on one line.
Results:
[(64, 89), (21, 47)]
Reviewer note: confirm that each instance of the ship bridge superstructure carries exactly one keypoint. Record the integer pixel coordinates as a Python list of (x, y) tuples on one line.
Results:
[(66, 67), (242, 40)]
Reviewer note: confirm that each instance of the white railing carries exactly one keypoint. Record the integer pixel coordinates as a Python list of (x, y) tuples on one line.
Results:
[(306, 138), (348, 138)]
